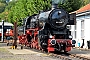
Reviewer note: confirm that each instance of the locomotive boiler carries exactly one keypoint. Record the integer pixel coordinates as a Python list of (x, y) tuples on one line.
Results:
[(49, 30)]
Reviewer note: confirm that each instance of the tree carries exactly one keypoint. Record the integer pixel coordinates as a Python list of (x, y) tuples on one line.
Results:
[(22, 8), (6, 10), (3, 1), (86, 1), (2, 7), (72, 5)]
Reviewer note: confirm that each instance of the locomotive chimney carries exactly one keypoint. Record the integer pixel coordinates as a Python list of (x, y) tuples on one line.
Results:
[(55, 3)]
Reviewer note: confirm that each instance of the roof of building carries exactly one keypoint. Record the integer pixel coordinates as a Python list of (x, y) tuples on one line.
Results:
[(83, 9), (6, 24)]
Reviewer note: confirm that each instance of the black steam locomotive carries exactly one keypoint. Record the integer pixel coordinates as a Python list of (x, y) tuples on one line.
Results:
[(49, 30)]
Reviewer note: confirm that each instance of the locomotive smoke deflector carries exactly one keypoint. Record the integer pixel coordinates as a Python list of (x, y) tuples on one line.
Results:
[(72, 20)]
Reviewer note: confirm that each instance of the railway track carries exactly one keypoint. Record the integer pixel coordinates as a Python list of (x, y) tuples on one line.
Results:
[(69, 57), (63, 56)]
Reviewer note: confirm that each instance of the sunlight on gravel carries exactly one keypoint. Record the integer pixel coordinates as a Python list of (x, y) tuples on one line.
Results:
[(9, 59)]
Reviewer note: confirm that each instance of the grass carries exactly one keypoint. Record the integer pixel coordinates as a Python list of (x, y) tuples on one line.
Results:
[(4, 50), (6, 55)]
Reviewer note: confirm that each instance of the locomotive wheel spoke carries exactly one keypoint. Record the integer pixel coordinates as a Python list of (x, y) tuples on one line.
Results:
[(39, 48), (42, 50), (36, 47), (31, 46)]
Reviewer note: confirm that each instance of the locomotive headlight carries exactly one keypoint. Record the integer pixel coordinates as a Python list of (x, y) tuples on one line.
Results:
[(53, 42), (70, 36)]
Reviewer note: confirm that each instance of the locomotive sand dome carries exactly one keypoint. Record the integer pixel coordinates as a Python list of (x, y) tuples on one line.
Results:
[(48, 30)]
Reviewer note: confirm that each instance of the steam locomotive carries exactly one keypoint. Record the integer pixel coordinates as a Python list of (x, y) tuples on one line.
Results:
[(48, 30)]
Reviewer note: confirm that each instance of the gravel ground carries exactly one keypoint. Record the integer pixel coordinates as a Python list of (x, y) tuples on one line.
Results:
[(5, 55)]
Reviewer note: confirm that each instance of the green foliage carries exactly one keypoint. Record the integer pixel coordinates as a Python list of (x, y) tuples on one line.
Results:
[(86, 1), (9, 5), (24, 8), (18, 10), (2, 7), (3, 1), (72, 5)]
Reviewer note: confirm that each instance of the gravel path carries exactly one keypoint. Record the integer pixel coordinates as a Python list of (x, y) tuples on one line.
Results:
[(6, 55)]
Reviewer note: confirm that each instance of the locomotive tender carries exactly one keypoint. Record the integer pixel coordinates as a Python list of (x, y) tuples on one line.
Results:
[(48, 30)]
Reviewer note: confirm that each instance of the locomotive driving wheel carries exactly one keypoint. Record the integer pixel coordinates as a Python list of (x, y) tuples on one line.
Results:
[(64, 47)]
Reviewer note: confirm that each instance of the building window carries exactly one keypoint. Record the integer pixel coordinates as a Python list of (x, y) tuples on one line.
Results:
[(82, 29), (75, 27), (75, 32), (82, 33), (82, 24)]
